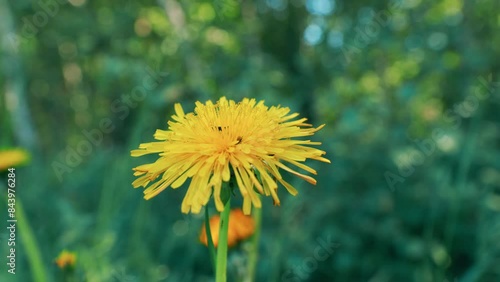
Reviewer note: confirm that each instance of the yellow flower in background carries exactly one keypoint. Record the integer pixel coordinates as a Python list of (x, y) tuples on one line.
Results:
[(240, 228), (13, 158), (228, 141), (66, 259)]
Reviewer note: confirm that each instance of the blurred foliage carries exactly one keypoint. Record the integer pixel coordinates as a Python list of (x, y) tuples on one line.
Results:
[(84, 82)]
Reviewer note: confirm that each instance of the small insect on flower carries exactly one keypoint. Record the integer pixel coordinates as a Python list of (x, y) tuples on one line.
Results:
[(246, 143)]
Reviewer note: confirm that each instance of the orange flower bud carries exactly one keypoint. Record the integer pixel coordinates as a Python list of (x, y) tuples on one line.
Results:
[(241, 227)]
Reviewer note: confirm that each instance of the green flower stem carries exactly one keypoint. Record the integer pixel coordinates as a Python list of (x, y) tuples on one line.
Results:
[(30, 245), (254, 249), (221, 266), (210, 241)]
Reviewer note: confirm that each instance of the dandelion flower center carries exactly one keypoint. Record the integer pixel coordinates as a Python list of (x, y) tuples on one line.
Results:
[(246, 142)]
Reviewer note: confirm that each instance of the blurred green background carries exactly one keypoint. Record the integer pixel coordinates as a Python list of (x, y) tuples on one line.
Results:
[(408, 90)]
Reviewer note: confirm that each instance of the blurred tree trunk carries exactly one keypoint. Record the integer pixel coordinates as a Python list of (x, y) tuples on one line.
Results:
[(15, 82), (283, 41)]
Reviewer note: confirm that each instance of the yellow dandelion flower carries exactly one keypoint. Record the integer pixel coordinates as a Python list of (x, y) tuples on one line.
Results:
[(12, 158), (66, 259), (228, 141)]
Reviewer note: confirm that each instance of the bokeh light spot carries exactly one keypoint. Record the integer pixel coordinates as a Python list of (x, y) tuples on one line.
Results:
[(320, 7), (313, 34), (335, 39)]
